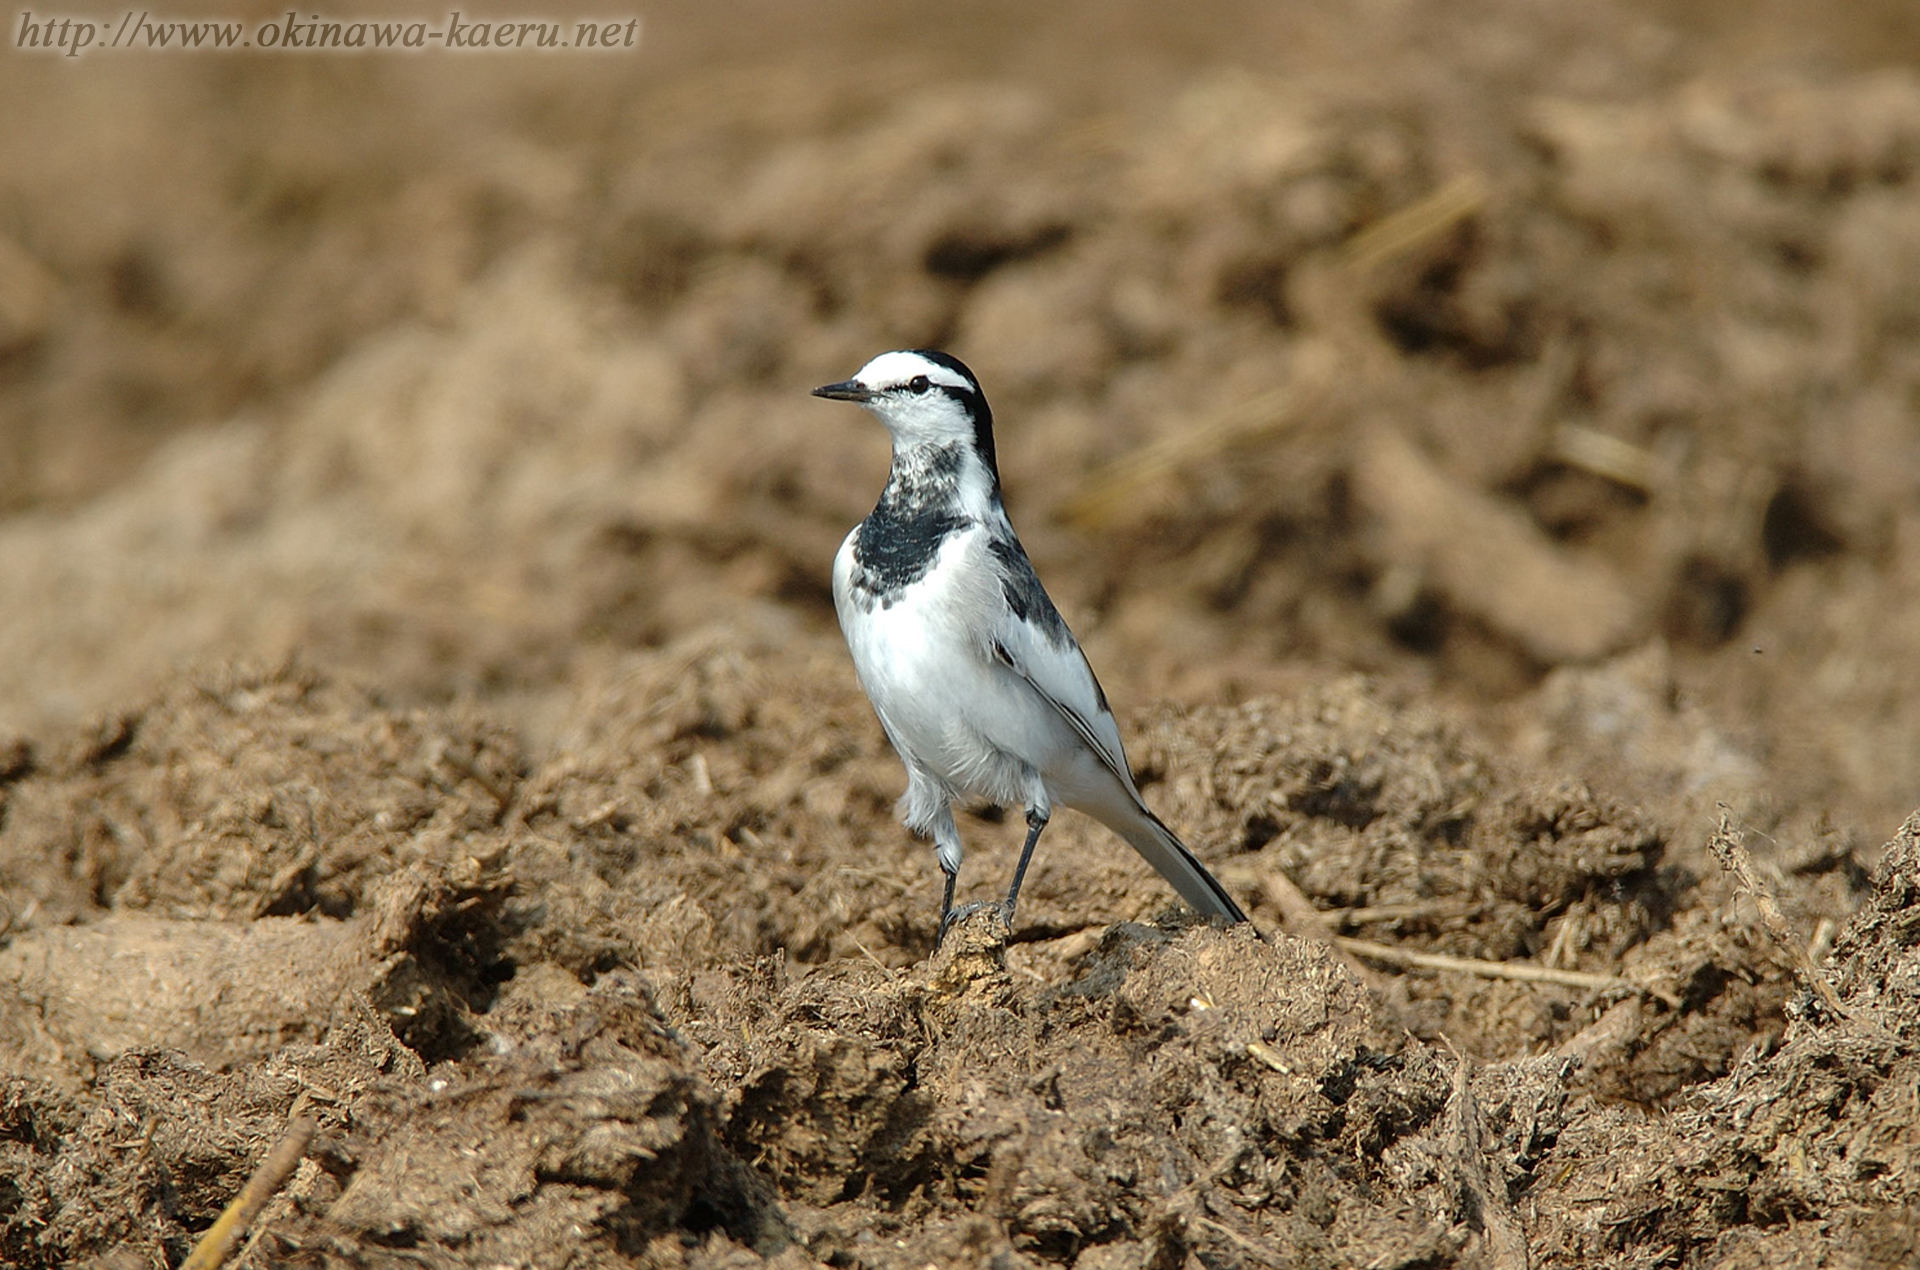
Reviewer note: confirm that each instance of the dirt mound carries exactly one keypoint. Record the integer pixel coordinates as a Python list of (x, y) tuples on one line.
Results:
[(1798, 1155), (1123, 1098)]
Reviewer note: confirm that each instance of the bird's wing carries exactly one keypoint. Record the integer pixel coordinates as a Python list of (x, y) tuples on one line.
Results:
[(1033, 641)]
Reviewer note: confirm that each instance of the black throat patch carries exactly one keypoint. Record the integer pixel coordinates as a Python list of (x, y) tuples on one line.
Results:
[(898, 542)]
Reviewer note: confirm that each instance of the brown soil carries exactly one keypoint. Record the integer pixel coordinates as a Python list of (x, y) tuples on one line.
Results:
[(1478, 444)]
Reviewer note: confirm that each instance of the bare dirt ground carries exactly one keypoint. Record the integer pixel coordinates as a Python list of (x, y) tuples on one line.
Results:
[(1479, 446)]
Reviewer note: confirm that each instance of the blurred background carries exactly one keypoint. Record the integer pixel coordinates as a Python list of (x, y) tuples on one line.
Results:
[(1557, 363)]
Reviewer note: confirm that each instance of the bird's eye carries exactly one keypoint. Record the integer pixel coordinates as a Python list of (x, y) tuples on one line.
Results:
[(919, 383)]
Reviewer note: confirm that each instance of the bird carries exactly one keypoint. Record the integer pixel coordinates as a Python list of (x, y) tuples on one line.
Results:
[(980, 687)]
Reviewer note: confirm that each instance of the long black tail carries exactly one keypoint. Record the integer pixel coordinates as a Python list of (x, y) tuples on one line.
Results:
[(1170, 858)]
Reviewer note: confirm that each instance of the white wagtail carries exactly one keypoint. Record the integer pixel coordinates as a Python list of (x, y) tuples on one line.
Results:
[(977, 681)]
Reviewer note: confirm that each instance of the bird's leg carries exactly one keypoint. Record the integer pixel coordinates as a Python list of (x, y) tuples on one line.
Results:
[(946, 839), (1037, 817), (946, 905)]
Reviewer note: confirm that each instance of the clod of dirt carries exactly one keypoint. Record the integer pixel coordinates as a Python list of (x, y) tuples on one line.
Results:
[(223, 994), (1801, 1155), (1195, 1092), (249, 793), (586, 1127), (971, 961), (166, 1143)]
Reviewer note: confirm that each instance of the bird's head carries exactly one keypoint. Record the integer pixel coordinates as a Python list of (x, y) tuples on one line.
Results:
[(925, 398)]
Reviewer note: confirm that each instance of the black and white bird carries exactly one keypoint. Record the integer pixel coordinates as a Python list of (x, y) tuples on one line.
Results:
[(980, 686)]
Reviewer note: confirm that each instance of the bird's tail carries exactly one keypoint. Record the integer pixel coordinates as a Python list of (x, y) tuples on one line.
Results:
[(1171, 859)]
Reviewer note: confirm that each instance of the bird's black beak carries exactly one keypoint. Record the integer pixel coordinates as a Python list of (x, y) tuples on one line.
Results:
[(846, 390)]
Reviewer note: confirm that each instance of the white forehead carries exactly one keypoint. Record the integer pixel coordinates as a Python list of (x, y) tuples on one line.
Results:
[(890, 370)]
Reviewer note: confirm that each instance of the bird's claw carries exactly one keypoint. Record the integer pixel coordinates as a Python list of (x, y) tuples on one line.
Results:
[(954, 916)]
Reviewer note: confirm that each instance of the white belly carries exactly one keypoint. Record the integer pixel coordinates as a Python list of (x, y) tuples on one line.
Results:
[(951, 708)]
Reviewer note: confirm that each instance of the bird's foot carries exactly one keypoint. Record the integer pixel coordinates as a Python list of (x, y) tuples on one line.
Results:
[(997, 929), (971, 957)]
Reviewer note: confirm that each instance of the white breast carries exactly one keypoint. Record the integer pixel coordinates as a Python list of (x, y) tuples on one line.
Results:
[(927, 664)]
